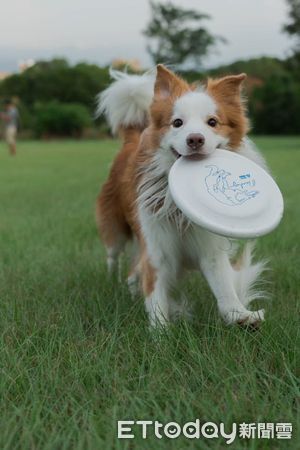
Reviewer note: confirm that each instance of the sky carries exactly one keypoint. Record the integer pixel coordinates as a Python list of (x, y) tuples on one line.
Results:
[(99, 31)]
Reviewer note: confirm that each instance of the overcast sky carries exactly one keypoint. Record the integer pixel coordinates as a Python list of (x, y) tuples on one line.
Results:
[(101, 30)]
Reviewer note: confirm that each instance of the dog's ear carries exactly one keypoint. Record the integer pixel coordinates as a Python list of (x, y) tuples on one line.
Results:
[(168, 84), (227, 88)]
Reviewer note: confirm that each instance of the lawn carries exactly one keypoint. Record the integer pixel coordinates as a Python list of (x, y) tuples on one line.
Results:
[(76, 352)]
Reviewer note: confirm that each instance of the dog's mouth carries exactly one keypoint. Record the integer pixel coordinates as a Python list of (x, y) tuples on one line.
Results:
[(196, 156), (175, 153)]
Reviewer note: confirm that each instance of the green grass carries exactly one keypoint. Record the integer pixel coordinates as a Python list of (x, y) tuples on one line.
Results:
[(76, 353)]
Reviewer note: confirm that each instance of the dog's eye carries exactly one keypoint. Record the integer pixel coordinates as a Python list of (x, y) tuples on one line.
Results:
[(212, 122), (177, 123)]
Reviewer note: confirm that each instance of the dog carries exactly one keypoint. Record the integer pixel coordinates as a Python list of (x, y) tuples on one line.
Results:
[(161, 118)]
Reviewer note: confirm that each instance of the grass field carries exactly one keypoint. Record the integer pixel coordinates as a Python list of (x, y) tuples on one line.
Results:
[(76, 353)]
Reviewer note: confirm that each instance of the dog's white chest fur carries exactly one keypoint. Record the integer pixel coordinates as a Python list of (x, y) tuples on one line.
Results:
[(174, 244)]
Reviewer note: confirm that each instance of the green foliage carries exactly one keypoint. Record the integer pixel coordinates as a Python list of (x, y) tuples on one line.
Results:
[(293, 29), (261, 68), (293, 26), (255, 68), (60, 119), (177, 35), (55, 81), (275, 106), (272, 87)]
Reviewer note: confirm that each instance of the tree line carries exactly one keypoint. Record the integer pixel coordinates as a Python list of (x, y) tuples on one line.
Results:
[(56, 98)]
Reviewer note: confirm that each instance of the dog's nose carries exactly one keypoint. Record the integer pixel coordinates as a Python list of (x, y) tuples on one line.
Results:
[(195, 141)]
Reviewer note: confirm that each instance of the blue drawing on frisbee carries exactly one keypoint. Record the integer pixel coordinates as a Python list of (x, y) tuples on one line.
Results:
[(227, 190)]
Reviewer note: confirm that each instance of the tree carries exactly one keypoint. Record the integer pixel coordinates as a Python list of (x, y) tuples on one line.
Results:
[(177, 35), (293, 26), (60, 119), (293, 29), (275, 105), (55, 80)]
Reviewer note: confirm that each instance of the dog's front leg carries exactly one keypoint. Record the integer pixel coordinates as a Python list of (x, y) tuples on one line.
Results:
[(158, 281), (156, 291), (217, 269), (159, 268)]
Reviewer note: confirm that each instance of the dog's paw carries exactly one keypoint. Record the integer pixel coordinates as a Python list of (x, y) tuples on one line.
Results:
[(133, 285), (180, 310), (245, 318)]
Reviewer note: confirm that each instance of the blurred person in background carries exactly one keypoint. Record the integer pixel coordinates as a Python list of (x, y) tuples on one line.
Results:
[(10, 116)]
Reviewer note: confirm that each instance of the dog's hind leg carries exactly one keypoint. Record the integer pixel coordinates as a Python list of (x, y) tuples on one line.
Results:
[(134, 274), (113, 230), (113, 253)]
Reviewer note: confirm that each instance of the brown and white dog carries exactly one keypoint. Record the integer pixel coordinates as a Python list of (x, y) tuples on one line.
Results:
[(161, 118)]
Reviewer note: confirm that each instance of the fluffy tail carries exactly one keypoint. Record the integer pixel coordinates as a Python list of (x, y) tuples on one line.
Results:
[(246, 276), (126, 101)]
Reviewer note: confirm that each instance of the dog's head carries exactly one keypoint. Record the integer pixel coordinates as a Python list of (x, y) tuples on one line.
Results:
[(193, 122)]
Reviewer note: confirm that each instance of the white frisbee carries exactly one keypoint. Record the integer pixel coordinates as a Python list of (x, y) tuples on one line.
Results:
[(227, 194)]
